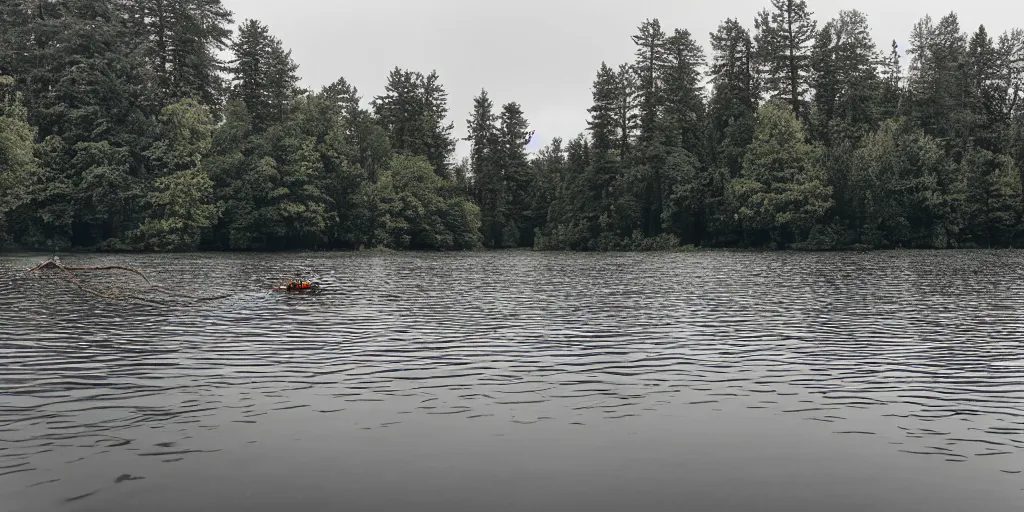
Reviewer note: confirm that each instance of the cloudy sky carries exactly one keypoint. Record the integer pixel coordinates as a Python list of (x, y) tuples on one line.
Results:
[(541, 53)]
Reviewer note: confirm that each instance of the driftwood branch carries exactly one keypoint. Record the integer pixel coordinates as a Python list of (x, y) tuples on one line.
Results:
[(69, 273)]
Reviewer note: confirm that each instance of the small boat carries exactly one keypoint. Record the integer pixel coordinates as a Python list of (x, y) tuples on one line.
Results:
[(299, 287)]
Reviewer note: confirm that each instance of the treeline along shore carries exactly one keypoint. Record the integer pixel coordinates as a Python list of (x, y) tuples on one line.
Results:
[(121, 128)]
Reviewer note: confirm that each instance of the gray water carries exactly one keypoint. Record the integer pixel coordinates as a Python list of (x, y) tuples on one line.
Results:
[(520, 381)]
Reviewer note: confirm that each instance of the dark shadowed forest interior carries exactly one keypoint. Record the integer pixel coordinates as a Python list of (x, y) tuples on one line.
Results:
[(162, 125)]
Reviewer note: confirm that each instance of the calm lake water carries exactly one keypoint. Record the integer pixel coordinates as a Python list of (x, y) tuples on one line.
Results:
[(520, 381)]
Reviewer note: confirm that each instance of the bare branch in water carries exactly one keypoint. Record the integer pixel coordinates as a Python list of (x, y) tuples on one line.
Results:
[(69, 273)]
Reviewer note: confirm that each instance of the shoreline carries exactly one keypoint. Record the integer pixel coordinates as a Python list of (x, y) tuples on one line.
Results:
[(21, 251)]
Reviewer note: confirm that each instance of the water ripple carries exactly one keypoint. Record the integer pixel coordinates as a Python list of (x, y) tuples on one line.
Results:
[(919, 351)]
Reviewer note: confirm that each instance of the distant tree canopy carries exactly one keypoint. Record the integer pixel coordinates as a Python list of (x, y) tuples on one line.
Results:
[(121, 128)]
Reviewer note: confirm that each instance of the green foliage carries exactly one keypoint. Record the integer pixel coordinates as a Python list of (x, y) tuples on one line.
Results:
[(891, 94), (734, 96), (994, 200), (185, 137), (938, 79), (784, 37), (488, 184), (181, 209), (513, 137), (782, 195), (897, 197), (413, 208), (845, 79), (503, 181), (683, 117), (602, 125), (263, 74), (122, 128), (573, 213), (626, 107), (651, 59), (412, 111), (19, 167), (181, 41)]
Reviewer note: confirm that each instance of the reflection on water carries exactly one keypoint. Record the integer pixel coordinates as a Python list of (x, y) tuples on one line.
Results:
[(521, 381)]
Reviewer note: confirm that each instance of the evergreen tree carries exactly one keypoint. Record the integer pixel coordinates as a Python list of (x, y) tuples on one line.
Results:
[(502, 174), (783, 41), (986, 91), (602, 125), (734, 96), (1011, 57), (548, 170), (344, 96), (1011, 65), (87, 91), (890, 101), (263, 74), (610, 130), (651, 58), (236, 186), (571, 224), (845, 80), (30, 34), (513, 137), (994, 199), (685, 185), (412, 112), (488, 183), (182, 39), (482, 136), (334, 120), (626, 108), (684, 100), (400, 112), (782, 196), (116, 133), (440, 145), (937, 80)]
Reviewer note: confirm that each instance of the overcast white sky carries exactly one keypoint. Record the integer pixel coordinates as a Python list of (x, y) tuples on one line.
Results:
[(541, 53)]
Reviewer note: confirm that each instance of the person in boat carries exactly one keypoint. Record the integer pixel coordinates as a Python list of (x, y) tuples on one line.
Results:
[(300, 285)]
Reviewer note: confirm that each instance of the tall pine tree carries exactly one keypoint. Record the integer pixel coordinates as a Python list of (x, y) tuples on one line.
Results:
[(626, 108), (182, 40), (845, 79), (514, 136), (783, 39), (938, 80), (412, 111), (602, 123), (651, 58), (488, 183), (683, 93), (733, 96), (263, 74)]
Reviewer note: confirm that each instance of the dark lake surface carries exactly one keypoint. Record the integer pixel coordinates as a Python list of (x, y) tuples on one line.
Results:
[(520, 381)]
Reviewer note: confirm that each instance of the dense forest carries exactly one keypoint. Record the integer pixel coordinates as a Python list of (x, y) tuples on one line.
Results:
[(162, 125)]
